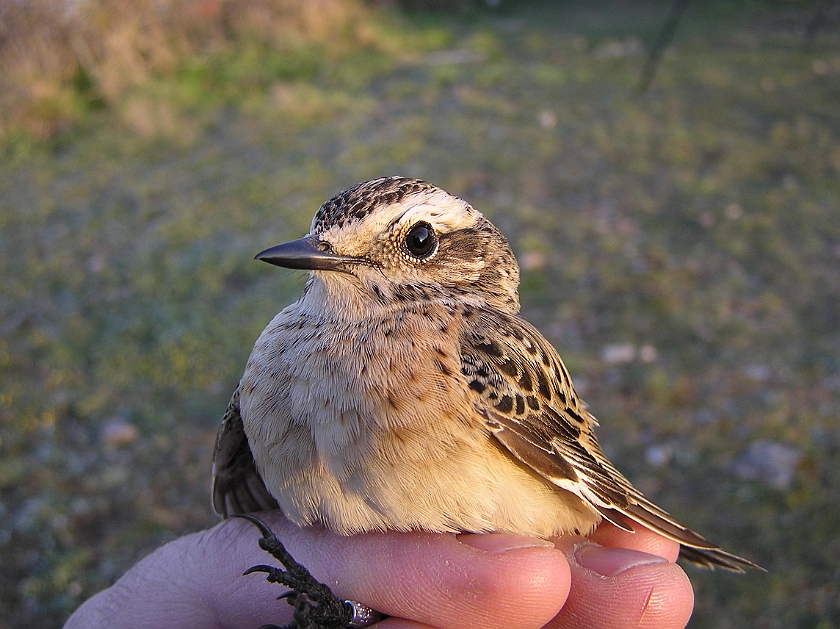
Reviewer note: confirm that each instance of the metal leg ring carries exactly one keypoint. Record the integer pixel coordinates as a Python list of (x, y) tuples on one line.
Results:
[(363, 616)]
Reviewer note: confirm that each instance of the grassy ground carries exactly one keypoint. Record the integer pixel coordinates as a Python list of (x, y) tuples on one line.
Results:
[(681, 249)]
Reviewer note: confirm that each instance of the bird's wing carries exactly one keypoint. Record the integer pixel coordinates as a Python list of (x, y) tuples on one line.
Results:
[(526, 395), (237, 485)]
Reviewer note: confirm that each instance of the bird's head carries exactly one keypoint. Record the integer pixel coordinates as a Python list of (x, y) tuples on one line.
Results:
[(398, 239)]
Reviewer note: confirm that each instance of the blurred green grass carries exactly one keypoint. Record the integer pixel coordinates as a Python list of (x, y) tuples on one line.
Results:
[(699, 221)]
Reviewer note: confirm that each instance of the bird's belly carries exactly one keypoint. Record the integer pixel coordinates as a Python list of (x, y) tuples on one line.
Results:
[(358, 437), (472, 486)]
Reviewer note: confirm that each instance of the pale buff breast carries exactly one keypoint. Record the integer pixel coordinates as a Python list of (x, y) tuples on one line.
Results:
[(372, 428)]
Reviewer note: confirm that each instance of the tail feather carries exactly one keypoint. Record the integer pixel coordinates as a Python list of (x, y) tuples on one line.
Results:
[(716, 558), (693, 546)]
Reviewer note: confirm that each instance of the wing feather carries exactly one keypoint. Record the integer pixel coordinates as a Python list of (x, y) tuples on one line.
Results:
[(530, 405), (237, 484)]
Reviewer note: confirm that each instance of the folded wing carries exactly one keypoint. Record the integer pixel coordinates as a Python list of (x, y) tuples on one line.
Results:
[(526, 396), (237, 484)]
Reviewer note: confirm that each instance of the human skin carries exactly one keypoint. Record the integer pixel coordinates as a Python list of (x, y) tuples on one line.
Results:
[(610, 580)]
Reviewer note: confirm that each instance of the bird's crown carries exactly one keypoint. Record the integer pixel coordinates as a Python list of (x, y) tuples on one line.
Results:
[(357, 202)]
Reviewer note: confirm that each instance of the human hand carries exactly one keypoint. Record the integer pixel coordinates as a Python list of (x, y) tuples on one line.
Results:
[(611, 580)]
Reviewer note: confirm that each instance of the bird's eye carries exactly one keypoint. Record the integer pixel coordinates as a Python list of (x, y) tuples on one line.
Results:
[(420, 240)]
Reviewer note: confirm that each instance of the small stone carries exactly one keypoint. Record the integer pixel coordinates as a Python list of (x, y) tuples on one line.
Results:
[(769, 462), (118, 433), (547, 119), (790, 182), (706, 219), (647, 353), (618, 353), (820, 66), (532, 261), (758, 372), (613, 48), (73, 589), (734, 211), (659, 455)]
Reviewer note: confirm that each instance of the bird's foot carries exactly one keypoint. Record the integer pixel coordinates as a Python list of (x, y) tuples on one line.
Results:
[(316, 607)]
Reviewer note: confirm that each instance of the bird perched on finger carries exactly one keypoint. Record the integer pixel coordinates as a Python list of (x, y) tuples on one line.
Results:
[(403, 391)]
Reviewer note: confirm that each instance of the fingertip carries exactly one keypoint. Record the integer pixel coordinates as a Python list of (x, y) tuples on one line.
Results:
[(643, 590), (669, 602), (610, 562), (642, 539), (526, 586)]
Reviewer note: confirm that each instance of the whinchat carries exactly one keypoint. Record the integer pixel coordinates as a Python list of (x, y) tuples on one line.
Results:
[(403, 392)]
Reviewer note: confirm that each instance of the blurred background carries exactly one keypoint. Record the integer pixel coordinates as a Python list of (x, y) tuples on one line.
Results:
[(680, 247)]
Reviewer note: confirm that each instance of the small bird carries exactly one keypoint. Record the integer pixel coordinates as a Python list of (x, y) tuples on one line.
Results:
[(403, 392)]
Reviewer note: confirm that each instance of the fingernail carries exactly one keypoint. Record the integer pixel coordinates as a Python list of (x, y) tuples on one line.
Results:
[(609, 562), (502, 542)]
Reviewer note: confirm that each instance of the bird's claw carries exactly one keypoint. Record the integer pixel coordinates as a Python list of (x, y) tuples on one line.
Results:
[(316, 607), (262, 526)]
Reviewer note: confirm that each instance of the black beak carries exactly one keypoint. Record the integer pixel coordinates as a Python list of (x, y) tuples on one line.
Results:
[(308, 253)]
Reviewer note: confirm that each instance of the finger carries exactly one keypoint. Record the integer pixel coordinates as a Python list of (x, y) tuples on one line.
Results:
[(439, 580), (642, 539), (617, 588)]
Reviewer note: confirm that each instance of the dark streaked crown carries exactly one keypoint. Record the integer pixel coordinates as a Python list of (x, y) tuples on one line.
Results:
[(358, 201)]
